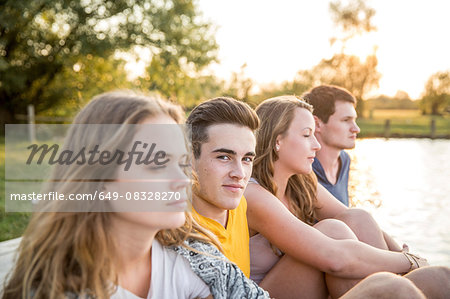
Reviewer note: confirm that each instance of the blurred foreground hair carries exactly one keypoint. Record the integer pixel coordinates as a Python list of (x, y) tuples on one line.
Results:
[(68, 253)]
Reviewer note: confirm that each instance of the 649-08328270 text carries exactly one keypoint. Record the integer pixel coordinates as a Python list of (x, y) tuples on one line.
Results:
[(50, 196)]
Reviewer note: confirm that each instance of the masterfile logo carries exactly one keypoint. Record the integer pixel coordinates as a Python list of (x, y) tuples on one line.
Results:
[(97, 168)]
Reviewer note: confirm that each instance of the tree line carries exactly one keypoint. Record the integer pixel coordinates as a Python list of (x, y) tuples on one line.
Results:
[(57, 54)]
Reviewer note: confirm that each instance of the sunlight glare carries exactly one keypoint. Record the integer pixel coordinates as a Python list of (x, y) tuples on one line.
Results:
[(362, 46), (136, 61)]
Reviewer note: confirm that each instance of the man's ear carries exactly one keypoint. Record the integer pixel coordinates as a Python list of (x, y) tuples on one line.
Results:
[(318, 122)]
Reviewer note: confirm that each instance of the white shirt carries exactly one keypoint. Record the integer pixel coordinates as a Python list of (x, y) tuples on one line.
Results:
[(172, 277)]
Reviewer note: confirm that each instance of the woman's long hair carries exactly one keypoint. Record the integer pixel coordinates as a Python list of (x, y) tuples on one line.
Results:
[(276, 115), (74, 252)]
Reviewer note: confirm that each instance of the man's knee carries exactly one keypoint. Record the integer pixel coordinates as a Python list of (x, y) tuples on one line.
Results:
[(433, 280), (441, 272), (385, 285), (335, 229)]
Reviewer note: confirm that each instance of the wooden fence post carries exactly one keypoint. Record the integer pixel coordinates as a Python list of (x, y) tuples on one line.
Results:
[(433, 128), (387, 128), (31, 122)]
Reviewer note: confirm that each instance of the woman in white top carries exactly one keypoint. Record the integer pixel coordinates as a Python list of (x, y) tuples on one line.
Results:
[(291, 255), (140, 246)]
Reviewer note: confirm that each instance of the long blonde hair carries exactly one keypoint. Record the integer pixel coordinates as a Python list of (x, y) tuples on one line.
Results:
[(72, 252), (276, 115)]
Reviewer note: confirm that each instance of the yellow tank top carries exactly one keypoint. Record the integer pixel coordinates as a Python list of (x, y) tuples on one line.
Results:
[(234, 238)]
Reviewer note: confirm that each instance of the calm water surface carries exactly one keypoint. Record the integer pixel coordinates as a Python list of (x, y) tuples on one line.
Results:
[(405, 184)]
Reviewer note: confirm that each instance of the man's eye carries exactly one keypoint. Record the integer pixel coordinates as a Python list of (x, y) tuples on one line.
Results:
[(306, 135), (223, 158), (248, 159)]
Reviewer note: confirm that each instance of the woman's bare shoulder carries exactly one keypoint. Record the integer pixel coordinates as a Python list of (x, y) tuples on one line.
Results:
[(255, 191)]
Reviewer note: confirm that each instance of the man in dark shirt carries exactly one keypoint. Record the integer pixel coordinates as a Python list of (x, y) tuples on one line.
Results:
[(336, 130)]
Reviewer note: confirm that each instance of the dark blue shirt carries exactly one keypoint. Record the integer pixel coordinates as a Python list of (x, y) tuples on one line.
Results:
[(340, 189)]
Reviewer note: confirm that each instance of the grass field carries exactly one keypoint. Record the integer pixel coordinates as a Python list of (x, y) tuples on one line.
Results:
[(12, 225), (404, 123)]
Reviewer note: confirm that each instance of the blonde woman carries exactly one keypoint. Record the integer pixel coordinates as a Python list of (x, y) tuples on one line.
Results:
[(289, 252), (157, 253)]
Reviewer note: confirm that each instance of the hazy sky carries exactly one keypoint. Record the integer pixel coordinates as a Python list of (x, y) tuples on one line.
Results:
[(277, 38)]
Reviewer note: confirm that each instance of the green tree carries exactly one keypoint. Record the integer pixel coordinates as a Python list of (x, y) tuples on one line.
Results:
[(348, 71), (401, 100), (301, 83), (352, 19), (81, 80), (175, 80), (240, 85), (436, 97), (40, 40)]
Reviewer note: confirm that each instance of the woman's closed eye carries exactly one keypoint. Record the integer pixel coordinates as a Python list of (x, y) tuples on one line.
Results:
[(307, 132)]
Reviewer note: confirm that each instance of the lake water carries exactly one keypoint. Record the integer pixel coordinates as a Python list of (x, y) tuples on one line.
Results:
[(405, 184)]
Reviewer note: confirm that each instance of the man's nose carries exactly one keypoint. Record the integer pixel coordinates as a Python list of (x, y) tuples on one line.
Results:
[(237, 171), (355, 128)]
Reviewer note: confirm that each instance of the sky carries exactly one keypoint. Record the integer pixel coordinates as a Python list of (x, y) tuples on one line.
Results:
[(276, 39)]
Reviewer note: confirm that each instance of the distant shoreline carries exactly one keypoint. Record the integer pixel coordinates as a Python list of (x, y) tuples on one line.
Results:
[(403, 136)]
